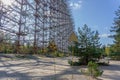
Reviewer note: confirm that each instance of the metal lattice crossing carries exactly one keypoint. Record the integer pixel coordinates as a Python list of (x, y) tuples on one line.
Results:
[(37, 22)]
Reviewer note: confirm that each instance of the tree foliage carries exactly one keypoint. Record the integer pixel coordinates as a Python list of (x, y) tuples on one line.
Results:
[(1, 36), (88, 45), (52, 46), (116, 30)]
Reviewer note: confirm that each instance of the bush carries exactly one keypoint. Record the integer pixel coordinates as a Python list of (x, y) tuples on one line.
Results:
[(103, 64), (55, 54), (93, 70), (58, 54), (74, 63), (115, 56)]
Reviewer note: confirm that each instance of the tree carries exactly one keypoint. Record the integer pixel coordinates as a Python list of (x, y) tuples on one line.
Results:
[(88, 46), (116, 30), (113, 53), (107, 50), (1, 36), (2, 42), (52, 46)]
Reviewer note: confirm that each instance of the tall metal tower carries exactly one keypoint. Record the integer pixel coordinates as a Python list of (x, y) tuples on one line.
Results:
[(37, 22)]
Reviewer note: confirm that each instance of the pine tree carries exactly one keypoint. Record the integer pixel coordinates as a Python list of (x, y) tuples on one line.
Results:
[(88, 43), (116, 30)]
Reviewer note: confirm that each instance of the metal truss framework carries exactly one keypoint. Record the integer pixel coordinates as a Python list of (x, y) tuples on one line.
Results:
[(37, 22)]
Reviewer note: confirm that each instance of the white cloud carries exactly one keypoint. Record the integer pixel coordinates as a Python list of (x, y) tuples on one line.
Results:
[(104, 35), (76, 5)]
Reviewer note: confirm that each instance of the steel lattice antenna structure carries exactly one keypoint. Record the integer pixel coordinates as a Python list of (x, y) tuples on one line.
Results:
[(37, 22)]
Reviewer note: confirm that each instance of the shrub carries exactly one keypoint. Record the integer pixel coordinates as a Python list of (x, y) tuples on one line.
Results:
[(93, 70), (74, 63), (55, 54), (115, 56)]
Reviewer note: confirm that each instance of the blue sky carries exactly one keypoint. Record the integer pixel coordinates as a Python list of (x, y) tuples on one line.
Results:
[(97, 14)]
